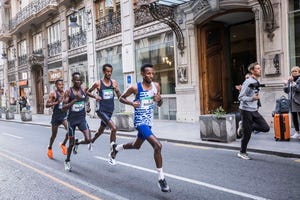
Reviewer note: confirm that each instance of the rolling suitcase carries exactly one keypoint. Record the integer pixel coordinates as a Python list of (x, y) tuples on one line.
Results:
[(282, 127)]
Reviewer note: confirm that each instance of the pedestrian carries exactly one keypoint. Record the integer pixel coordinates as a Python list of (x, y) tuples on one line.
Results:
[(249, 104), (75, 99), (293, 91), (147, 94), (106, 88), (22, 102), (55, 101), (240, 125)]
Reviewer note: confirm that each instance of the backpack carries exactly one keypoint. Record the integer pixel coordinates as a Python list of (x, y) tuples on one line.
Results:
[(282, 105)]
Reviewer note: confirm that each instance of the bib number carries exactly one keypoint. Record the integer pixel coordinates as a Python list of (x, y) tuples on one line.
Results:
[(108, 94), (78, 106)]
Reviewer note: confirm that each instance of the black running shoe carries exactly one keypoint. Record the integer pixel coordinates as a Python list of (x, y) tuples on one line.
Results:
[(113, 152), (162, 184), (75, 149)]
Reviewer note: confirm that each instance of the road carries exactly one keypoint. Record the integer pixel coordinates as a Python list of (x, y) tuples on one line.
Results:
[(193, 172)]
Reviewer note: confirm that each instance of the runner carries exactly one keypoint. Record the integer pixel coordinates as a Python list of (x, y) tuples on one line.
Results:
[(147, 93), (59, 117), (75, 101), (105, 108)]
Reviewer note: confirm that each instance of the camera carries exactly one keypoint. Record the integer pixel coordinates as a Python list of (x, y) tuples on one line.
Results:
[(256, 86)]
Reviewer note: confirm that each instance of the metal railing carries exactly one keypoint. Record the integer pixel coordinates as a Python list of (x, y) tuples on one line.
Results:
[(108, 25), (77, 39), (22, 60), (11, 64), (54, 48), (37, 51), (28, 11)]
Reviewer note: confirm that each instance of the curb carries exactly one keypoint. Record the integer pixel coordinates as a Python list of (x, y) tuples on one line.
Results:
[(203, 144)]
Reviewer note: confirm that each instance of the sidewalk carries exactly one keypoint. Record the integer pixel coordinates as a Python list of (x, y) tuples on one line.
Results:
[(189, 133)]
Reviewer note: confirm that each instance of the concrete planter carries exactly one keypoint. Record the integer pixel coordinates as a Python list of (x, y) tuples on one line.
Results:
[(123, 121), (9, 115), (218, 129), (26, 116)]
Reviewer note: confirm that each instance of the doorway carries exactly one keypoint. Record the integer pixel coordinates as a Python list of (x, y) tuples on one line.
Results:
[(39, 87), (227, 45)]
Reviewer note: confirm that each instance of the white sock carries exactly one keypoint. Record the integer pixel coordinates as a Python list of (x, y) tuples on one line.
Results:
[(119, 147), (112, 143), (160, 174)]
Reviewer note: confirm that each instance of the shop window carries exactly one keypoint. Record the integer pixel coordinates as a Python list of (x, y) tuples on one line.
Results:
[(294, 32), (112, 56), (159, 51), (82, 69)]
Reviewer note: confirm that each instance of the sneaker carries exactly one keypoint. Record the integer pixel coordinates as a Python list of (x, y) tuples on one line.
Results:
[(50, 153), (90, 147), (111, 160), (68, 166), (162, 184), (113, 151), (296, 136), (75, 148), (243, 156), (63, 148), (240, 129)]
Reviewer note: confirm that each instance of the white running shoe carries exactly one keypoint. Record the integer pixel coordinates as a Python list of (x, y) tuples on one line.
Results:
[(68, 166), (243, 156), (111, 160), (296, 136)]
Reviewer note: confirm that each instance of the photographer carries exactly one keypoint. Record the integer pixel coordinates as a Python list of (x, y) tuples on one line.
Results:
[(293, 90), (249, 104)]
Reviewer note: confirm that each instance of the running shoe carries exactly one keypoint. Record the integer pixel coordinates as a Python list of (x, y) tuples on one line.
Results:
[(63, 148), (75, 149), (113, 151), (296, 136), (50, 153), (243, 156), (162, 184), (90, 146), (68, 166)]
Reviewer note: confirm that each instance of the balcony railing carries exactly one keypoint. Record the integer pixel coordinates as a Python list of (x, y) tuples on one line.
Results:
[(37, 51), (108, 25), (77, 39), (22, 60), (54, 48), (28, 11), (10, 64)]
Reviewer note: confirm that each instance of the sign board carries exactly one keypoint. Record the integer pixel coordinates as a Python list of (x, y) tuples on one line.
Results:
[(55, 74)]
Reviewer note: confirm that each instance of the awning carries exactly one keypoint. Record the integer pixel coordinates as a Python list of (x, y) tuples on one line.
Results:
[(23, 83)]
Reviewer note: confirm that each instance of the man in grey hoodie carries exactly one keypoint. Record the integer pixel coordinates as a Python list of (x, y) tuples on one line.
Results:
[(249, 104)]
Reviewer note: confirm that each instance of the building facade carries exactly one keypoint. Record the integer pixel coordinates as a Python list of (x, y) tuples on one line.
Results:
[(200, 48)]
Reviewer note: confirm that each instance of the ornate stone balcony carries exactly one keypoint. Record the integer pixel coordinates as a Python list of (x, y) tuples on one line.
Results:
[(77, 39), (22, 60), (108, 25), (33, 13), (54, 48)]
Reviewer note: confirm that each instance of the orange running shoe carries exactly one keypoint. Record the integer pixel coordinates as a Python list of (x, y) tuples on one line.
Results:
[(50, 153), (63, 148)]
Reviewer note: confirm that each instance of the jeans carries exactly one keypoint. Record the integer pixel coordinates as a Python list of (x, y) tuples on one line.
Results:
[(252, 121)]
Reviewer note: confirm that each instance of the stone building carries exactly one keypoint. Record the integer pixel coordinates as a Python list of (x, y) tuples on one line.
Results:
[(200, 48)]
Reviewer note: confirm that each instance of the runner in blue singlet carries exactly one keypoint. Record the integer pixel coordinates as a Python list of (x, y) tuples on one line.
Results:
[(147, 94), (106, 89), (74, 101), (58, 116)]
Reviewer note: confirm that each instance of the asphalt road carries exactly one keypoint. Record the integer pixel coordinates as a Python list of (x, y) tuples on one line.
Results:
[(192, 172)]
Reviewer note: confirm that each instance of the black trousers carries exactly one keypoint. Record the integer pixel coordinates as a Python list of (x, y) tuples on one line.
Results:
[(252, 121), (295, 120)]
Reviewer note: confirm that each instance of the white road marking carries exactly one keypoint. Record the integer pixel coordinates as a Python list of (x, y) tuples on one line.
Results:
[(200, 183), (11, 135), (64, 175)]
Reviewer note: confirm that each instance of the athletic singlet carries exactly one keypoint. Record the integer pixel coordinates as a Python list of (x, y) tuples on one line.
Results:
[(77, 110), (107, 94), (143, 115), (57, 112)]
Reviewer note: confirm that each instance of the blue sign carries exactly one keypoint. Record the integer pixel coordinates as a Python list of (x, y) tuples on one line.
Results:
[(128, 79)]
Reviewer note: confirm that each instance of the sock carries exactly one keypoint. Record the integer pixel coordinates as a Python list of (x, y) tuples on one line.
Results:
[(119, 147), (160, 174), (112, 143)]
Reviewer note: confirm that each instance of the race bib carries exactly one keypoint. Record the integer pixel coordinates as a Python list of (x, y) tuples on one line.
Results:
[(108, 94), (146, 102), (78, 106)]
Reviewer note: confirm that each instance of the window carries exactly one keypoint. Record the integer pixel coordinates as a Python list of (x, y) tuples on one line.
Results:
[(37, 43), (11, 53), (54, 33), (22, 48), (105, 8), (294, 32), (82, 69), (159, 51), (81, 21)]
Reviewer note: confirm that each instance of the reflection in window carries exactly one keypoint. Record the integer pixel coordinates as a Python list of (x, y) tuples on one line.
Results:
[(159, 51), (294, 32)]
